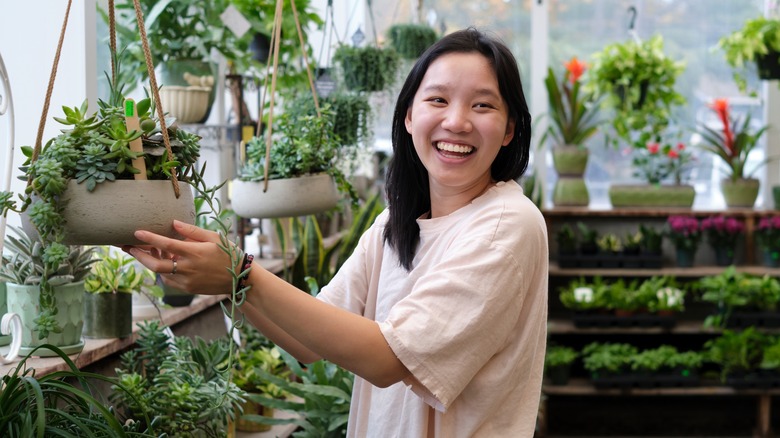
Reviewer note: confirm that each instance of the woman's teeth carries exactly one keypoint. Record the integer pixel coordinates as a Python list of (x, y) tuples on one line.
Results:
[(456, 148)]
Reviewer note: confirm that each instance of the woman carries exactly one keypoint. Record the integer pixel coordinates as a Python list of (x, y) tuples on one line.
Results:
[(441, 310)]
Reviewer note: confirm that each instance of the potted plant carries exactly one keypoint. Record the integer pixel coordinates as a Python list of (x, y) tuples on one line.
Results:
[(572, 116), (568, 244), (588, 244), (175, 385), (608, 362), (558, 362), (637, 81), (610, 246), (652, 242), (723, 233), (732, 143), (738, 354), (185, 34), (758, 41), (369, 68), (632, 250), (768, 238), (685, 234), (410, 40), (109, 287), (664, 168), (246, 378), (49, 316), (304, 163)]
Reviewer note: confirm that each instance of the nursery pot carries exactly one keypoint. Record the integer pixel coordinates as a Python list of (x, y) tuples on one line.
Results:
[(24, 301), (113, 211), (108, 315), (285, 197), (768, 65), (173, 296)]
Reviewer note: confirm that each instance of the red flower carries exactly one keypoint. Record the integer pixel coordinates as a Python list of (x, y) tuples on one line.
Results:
[(575, 68), (672, 154), (680, 146), (653, 148), (721, 107)]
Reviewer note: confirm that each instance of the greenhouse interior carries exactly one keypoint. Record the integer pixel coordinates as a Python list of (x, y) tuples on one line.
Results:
[(205, 206)]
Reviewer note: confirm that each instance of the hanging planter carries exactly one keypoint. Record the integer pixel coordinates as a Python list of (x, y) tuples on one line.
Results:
[(368, 68), (293, 170), (410, 40)]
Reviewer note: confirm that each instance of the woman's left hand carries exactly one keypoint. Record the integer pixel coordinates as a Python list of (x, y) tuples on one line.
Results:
[(196, 264)]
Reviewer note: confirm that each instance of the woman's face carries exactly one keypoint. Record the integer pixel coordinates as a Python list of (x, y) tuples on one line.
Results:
[(458, 122)]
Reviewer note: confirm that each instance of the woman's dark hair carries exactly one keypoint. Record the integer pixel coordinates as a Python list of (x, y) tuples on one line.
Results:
[(407, 189)]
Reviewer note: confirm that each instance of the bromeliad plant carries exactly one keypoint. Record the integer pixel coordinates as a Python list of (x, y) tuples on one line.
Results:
[(733, 142), (573, 109)]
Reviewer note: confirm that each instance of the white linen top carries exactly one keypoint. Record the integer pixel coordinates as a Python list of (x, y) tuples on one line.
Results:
[(468, 321)]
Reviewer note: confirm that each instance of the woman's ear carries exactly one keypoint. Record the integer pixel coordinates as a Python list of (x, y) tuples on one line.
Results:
[(510, 132), (408, 120)]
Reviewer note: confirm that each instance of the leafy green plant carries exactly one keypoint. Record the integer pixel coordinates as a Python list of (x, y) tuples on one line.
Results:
[(581, 294), (367, 68), (588, 238), (558, 355), (63, 403), (632, 243), (182, 29), (607, 358), (304, 144), (687, 361), (410, 40), (637, 81), (653, 359), (325, 389), (732, 290), (610, 243), (177, 384), (116, 273), (652, 239), (770, 360), (248, 361), (757, 38), (662, 293), (567, 240), (736, 351)]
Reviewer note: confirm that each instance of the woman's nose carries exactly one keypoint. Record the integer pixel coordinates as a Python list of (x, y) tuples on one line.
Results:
[(456, 119)]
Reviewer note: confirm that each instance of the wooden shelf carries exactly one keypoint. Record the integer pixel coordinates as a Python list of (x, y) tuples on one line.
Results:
[(97, 349), (585, 387), (696, 271), (566, 327), (648, 212)]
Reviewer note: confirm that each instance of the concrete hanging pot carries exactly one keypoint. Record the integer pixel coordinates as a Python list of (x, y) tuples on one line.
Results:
[(289, 197), (113, 211), (24, 301)]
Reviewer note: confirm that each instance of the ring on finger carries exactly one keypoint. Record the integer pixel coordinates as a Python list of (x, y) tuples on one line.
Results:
[(173, 271)]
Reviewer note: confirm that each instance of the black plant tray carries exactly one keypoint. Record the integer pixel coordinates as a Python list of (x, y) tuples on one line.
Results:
[(587, 320), (767, 319), (645, 380), (626, 261), (757, 380)]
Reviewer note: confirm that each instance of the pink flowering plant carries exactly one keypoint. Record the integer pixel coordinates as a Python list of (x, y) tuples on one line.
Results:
[(768, 233), (656, 163), (722, 231), (684, 231)]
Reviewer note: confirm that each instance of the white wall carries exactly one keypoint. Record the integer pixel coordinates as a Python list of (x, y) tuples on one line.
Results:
[(28, 40)]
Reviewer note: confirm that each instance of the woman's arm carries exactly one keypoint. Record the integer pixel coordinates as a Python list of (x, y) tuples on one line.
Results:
[(301, 324)]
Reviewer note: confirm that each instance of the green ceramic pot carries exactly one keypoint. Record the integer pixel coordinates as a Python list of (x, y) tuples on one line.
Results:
[(23, 300), (647, 195), (4, 340), (570, 160), (571, 192), (108, 315), (741, 193)]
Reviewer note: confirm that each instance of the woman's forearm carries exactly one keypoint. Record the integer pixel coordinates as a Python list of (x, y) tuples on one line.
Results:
[(349, 340), (277, 335)]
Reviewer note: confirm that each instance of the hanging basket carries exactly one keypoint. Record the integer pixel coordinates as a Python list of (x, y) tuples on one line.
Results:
[(285, 197), (113, 211), (769, 65)]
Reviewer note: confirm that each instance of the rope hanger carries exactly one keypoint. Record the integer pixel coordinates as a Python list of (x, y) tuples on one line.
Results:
[(149, 69)]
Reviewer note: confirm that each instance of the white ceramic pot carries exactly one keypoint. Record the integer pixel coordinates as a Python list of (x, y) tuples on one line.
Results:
[(285, 197), (188, 104)]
